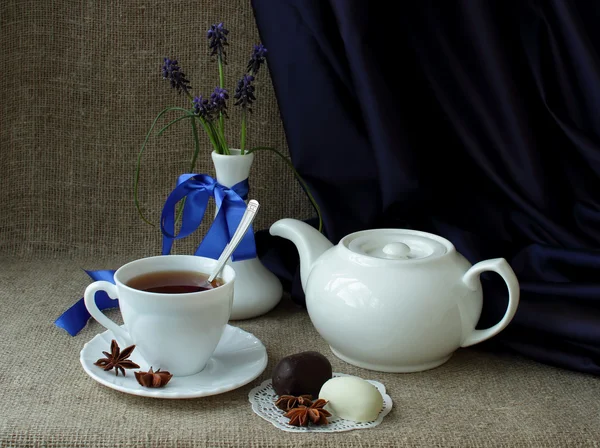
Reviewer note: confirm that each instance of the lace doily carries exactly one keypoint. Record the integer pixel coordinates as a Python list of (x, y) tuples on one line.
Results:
[(263, 399)]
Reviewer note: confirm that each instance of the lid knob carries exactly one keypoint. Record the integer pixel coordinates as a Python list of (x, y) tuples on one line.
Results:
[(396, 250)]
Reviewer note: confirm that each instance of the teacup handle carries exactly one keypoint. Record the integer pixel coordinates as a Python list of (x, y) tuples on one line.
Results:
[(471, 278), (89, 298)]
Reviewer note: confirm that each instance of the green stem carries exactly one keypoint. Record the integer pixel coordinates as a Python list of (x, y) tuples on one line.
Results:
[(210, 131), (181, 205), (221, 85), (215, 133), (243, 137), (224, 144), (306, 189), (139, 160), (196, 147), (221, 140), (183, 117)]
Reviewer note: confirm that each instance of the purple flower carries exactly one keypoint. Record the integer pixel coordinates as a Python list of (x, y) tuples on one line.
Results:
[(172, 73), (201, 107), (218, 101), (217, 35), (258, 58), (244, 92)]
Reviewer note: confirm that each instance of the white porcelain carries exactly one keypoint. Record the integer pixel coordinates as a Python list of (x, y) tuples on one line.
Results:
[(393, 300), (178, 333), (238, 359), (257, 289)]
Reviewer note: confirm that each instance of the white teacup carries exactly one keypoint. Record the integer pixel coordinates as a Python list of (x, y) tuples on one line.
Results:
[(174, 332)]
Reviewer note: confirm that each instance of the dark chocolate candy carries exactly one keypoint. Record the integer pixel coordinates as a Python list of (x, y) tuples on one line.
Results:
[(302, 373)]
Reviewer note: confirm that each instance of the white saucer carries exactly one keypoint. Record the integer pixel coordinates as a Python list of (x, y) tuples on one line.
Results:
[(239, 358)]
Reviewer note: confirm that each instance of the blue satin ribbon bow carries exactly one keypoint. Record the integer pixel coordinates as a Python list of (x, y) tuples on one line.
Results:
[(197, 189)]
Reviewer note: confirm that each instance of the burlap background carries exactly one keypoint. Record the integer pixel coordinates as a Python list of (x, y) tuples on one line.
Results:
[(80, 88)]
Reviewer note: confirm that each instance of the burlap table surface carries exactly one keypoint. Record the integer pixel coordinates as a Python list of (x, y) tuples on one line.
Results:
[(476, 399), (79, 88)]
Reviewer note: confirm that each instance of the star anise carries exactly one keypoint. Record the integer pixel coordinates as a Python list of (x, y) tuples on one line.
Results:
[(117, 359), (153, 379), (287, 402), (302, 415)]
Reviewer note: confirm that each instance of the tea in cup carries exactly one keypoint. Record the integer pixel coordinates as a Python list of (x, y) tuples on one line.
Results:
[(170, 312)]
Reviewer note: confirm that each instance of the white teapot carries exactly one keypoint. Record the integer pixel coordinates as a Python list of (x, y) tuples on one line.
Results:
[(393, 300)]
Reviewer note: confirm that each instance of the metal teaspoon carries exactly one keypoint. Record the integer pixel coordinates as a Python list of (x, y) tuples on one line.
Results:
[(245, 222)]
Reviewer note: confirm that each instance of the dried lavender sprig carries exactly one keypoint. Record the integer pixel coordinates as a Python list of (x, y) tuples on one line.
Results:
[(257, 59), (218, 101), (202, 107), (172, 72), (217, 36), (207, 111), (244, 92)]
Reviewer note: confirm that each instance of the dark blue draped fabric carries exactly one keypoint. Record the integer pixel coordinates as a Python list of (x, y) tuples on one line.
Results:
[(475, 120)]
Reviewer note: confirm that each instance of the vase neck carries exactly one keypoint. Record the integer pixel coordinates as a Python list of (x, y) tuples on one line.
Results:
[(232, 169)]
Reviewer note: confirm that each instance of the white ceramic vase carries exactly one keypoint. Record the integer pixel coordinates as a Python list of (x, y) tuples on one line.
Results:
[(257, 290)]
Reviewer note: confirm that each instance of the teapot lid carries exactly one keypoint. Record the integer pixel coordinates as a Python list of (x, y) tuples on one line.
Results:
[(397, 244)]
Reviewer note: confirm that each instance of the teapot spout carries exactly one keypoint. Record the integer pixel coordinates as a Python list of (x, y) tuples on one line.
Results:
[(309, 242)]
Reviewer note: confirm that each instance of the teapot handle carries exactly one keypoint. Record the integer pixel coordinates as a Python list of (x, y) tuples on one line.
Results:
[(471, 279)]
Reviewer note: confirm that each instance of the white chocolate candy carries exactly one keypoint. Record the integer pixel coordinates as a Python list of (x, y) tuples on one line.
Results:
[(352, 398)]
